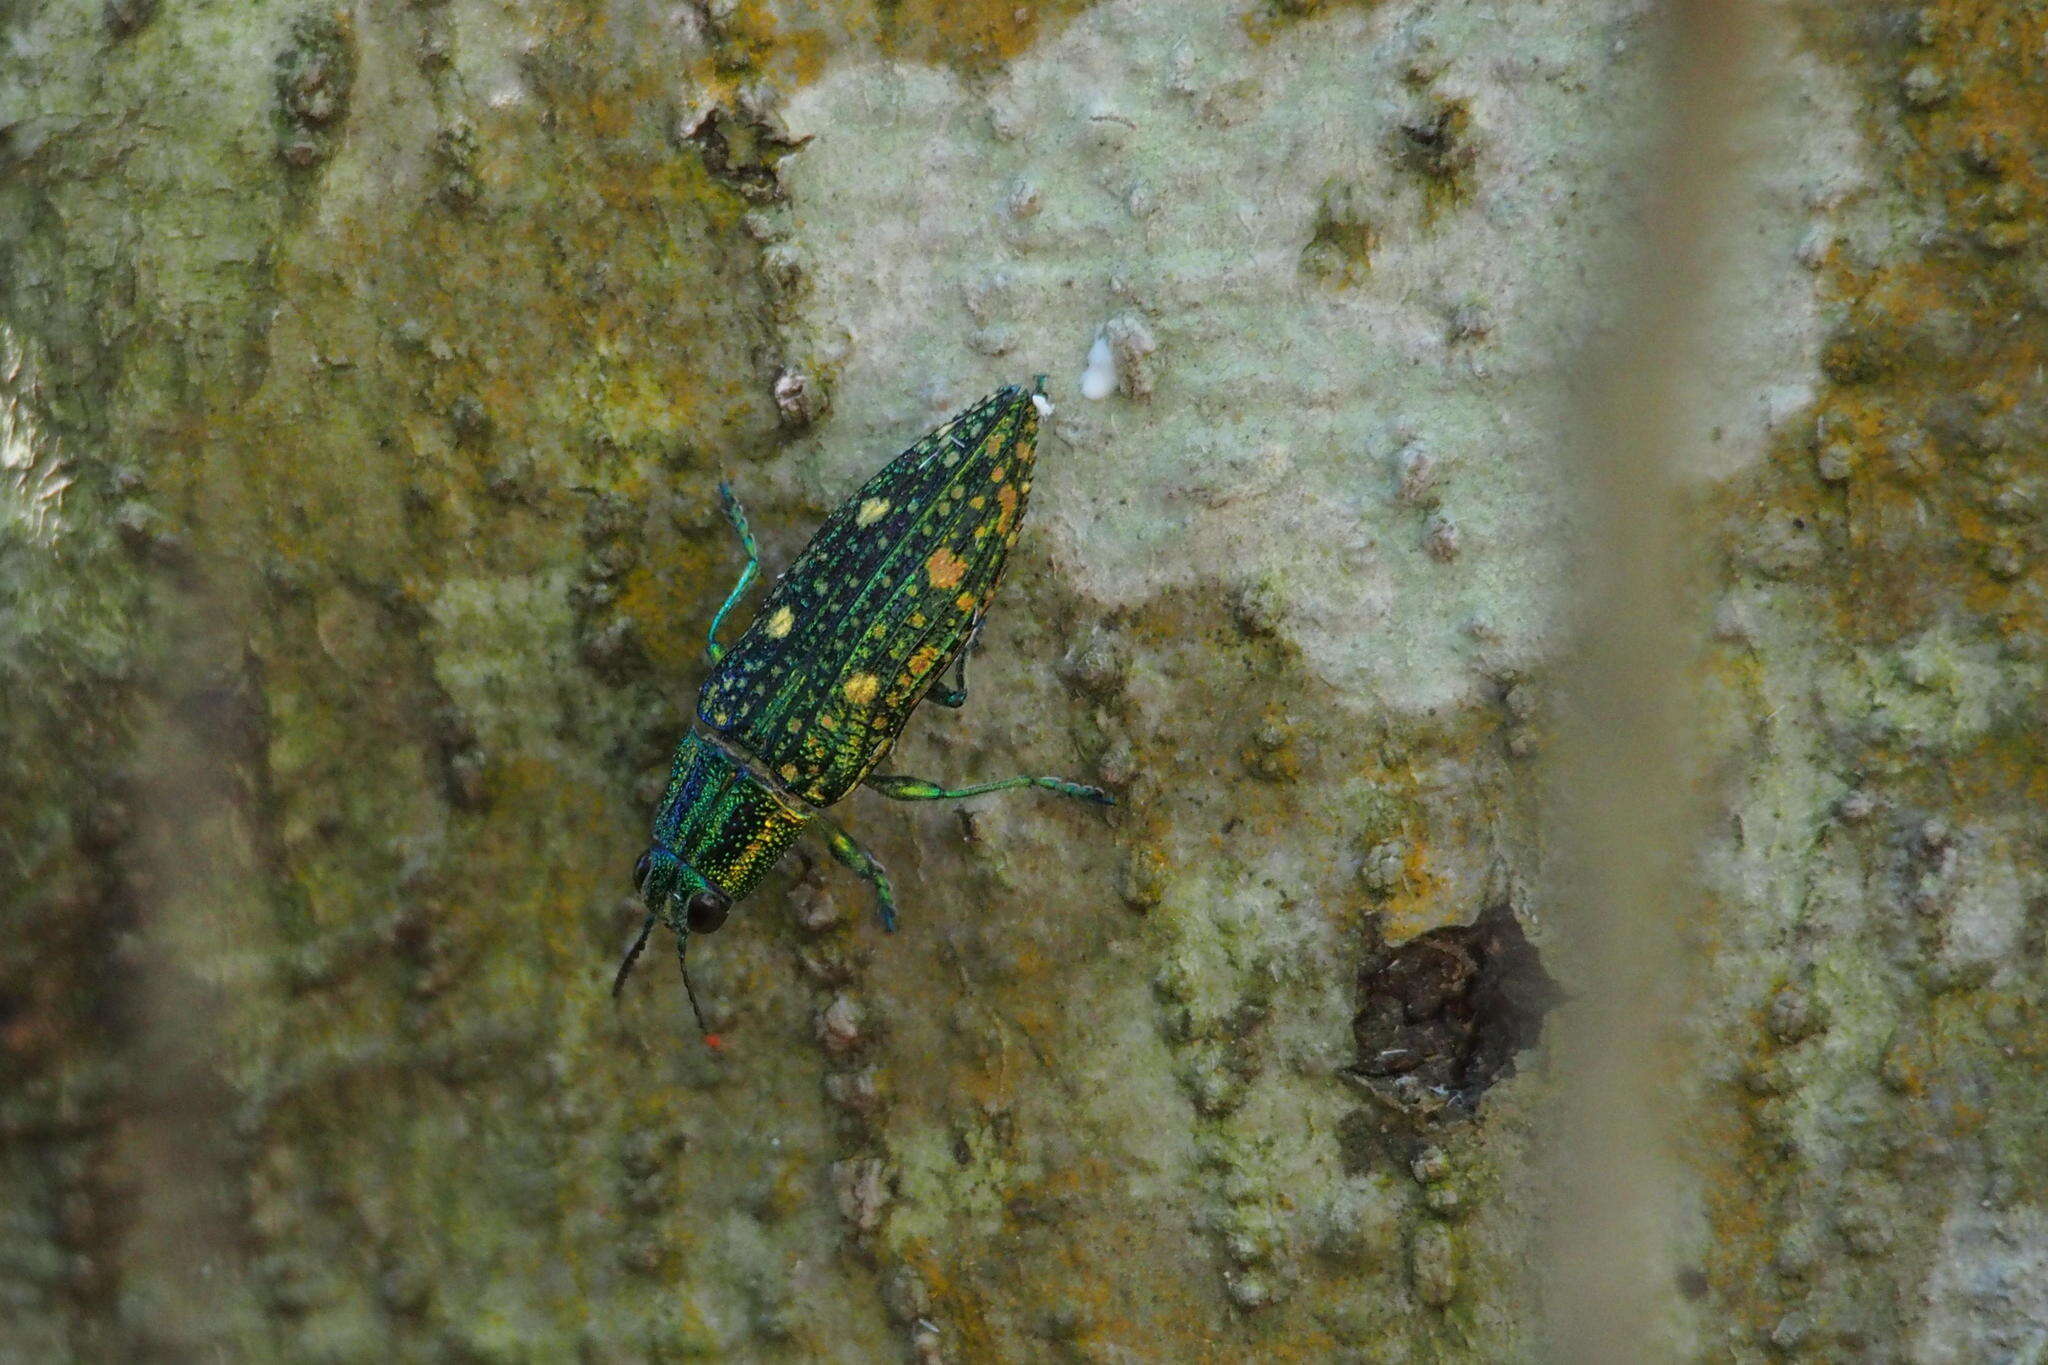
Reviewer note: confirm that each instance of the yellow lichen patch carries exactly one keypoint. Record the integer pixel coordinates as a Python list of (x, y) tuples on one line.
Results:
[(974, 35), (1414, 904), (1268, 19), (944, 568), (860, 689), (1901, 480), (779, 624), (781, 48), (872, 511)]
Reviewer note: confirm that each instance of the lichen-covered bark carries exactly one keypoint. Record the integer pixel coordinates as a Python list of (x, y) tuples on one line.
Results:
[(367, 374), (1877, 1067)]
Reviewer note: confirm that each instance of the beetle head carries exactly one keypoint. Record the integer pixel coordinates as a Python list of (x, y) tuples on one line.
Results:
[(677, 893)]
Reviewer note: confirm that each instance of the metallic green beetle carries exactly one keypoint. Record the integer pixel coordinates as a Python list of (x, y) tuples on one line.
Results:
[(859, 630)]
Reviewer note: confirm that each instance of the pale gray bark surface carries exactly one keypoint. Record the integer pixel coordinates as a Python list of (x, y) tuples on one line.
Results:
[(367, 377)]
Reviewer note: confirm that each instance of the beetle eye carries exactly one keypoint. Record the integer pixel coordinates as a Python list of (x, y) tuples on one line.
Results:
[(640, 871), (707, 910)]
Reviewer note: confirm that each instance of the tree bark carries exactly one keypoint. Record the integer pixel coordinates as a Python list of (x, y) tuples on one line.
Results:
[(368, 373)]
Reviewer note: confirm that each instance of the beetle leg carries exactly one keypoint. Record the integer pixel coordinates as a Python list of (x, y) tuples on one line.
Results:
[(898, 788), (737, 515), (956, 695), (864, 865)]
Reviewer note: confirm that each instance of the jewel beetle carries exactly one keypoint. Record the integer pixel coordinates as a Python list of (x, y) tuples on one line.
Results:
[(860, 628)]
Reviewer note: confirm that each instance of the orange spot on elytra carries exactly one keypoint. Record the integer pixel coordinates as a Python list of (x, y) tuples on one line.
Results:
[(945, 568)]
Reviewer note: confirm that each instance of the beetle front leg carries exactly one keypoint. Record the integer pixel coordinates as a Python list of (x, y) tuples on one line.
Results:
[(864, 865), (737, 515), (899, 788)]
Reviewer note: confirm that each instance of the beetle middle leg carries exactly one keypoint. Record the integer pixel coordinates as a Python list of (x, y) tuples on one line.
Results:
[(864, 865), (956, 695), (737, 515), (899, 788)]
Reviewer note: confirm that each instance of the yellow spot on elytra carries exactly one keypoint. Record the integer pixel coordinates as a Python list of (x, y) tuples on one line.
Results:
[(860, 689), (828, 720), (917, 620), (1006, 498), (789, 772), (872, 511), (977, 502), (965, 601), (998, 474), (780, 622), (922, 661), (945, 568)]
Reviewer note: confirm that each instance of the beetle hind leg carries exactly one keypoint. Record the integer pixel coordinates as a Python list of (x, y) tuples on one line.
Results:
[(864, 865), (899, 788)]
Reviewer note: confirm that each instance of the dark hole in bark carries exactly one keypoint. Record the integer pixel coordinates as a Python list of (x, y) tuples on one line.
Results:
[(1442, 1016), (741, 150)]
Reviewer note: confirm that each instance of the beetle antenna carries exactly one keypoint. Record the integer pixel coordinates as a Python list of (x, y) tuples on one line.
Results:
[(632, 956), (683, 961)]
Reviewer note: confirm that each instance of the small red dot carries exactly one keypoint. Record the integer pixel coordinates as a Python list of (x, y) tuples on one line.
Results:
[(715, 1041)]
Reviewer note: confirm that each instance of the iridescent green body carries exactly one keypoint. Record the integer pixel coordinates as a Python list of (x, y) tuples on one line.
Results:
[(886, 596), (877, 605)]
